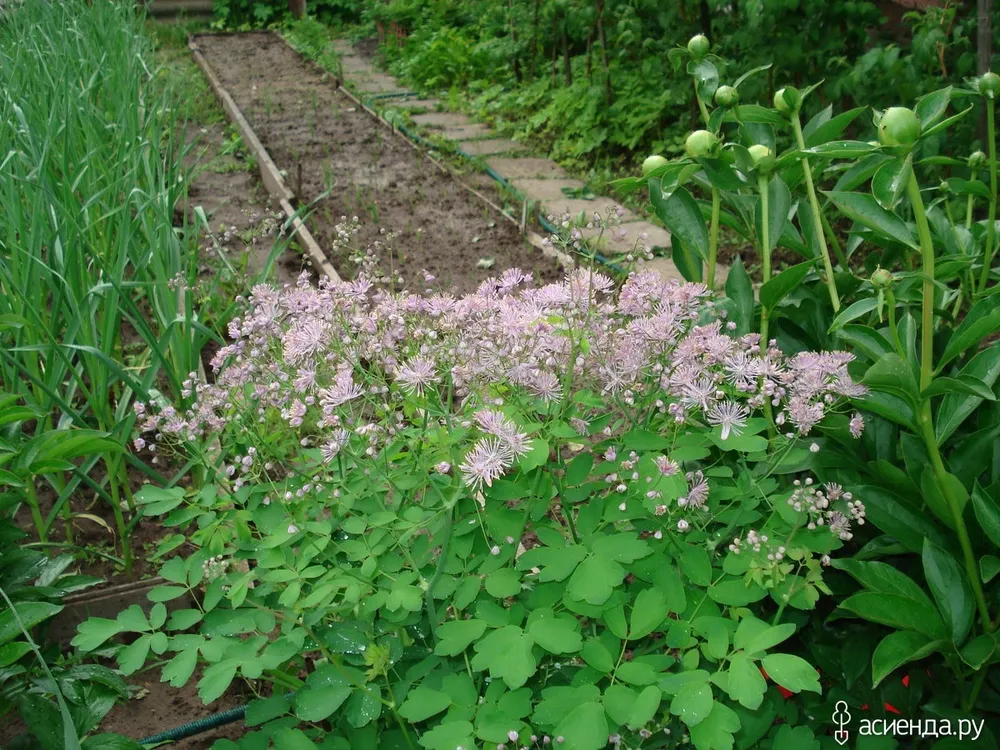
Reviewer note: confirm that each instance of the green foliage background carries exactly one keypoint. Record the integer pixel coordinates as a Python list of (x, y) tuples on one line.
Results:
[(536, 67)]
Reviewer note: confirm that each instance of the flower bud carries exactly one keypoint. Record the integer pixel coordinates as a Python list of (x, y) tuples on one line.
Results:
[(989, 85), (944, 186), (727, 96), (899, 126), (698, 46), (788, 100), (882, 278), (977, 160), (700, 143), (763, 157), (653, 162)]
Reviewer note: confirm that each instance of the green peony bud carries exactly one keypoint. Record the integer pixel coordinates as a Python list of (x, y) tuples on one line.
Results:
[(763, 157), (698, 46), (788, 100), (977, 160), (727, 96), (882, 278), (653, 162), (700, 143), (989, 85), (899, 127)]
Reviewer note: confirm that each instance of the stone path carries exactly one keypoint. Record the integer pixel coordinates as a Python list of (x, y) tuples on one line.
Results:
[(541, 180)]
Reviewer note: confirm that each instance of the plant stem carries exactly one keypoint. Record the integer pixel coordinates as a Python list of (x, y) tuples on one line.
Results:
[(991, 136), (927, 309), (925, 417), (442, 559), (36, 514), (701, 104), (941, 473), (890, 299), (968, 212), (977, 685), (831, 285), (713, 236), (834, 243), (765, 252), (116, 508)]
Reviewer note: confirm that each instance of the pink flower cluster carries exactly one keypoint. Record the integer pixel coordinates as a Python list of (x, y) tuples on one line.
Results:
[(342, 363)]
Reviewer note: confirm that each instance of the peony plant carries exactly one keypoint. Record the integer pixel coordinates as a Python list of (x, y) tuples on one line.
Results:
[(897, 265)]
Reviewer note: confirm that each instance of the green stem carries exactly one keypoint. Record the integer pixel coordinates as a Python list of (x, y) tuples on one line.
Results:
[(927, 309), (968, 211), (977, 685), (701, 104), (831, 237), (925, 417), (36, 514), (713, 236), (442, 559), (890, 299), (765, 315), (765, 252), (116, 508), (941, 473), (395, 713), (991, 221), (831, 285)]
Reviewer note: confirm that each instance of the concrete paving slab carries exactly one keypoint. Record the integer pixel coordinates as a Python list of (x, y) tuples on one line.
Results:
[(376, 84), (665, 267), (353, 64), (576, 206), (546, 190), (526, 167), (475, 130), (624, 239), (424, 104), (442, 120), (492, 146)]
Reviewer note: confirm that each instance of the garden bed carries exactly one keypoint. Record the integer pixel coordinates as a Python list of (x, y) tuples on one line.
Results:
[(332, 152)]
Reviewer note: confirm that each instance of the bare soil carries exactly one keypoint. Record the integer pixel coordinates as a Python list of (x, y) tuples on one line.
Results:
[(336, 154)]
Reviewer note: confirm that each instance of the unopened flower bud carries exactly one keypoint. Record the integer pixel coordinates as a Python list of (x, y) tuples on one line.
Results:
[(899, 126), (989, 85), (788, 100), (653, 162), (727, 96), (977, 160), (700, 143), (698, 46), (882, 278)]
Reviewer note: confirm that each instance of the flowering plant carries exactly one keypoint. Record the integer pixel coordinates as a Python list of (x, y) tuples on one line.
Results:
[(901, 271), (562, 514)]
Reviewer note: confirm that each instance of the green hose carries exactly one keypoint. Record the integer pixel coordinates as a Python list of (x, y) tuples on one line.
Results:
[(201, 725), (197, 727)]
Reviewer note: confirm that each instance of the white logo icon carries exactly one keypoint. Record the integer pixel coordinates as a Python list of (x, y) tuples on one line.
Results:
[(841, 717)]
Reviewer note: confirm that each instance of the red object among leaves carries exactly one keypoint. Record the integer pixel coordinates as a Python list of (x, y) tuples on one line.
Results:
[(786, 694), (888, 706)]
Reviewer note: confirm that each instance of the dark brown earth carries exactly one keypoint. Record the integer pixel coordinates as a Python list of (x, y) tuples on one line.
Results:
[(164, 708), (325, 144)]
